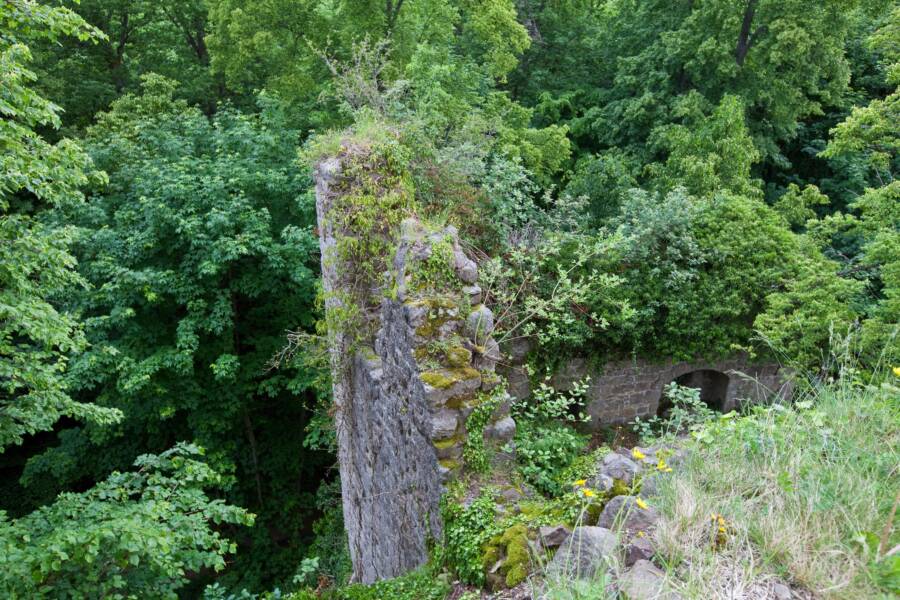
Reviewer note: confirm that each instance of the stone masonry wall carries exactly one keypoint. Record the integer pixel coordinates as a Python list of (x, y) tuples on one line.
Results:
[(621, 390), (402, 398)]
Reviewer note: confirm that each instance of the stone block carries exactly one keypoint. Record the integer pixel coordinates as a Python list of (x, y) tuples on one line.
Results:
[(444, 423)]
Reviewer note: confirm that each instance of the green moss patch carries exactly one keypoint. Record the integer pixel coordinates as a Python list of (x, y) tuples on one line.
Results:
[(511, 548), (446, 378)]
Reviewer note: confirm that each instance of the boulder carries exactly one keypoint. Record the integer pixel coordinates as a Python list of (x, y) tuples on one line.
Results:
[(623, 512), (503, 430), (586, 551), (511, 495), (649, 455), (650, 485), (601, 482), (443, 424), (553, 536), (473, 293), (518, 382), (487, 359), (466, 269), (639, 548), (644, 581), (781, 591), (519, 347), (619, 467)]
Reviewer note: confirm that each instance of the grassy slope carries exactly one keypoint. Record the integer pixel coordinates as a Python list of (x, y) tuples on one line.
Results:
[(807, 493)]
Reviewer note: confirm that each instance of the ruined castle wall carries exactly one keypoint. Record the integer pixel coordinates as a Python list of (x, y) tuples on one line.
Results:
[(620, 391), (403, 394)]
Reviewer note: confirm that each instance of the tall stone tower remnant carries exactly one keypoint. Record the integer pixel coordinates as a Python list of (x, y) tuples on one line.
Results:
[(411, 356)]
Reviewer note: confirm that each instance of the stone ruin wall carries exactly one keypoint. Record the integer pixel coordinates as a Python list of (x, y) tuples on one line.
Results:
[(402, 398), (619, 391)]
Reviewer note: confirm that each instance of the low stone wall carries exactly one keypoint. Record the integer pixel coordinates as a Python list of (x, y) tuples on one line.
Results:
[(619, 391)]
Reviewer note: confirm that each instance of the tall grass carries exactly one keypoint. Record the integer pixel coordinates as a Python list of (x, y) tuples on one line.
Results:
[(807, 494)]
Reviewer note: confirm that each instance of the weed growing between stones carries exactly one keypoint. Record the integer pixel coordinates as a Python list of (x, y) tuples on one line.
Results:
[(475, 453), (372, 194), (545, 442)]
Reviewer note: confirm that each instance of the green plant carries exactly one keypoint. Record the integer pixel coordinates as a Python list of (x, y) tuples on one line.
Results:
[(421, 584), (597, 588), (543, 450), (436, 271), (307, 571), (137, 533), (688, 414), (373, 194), (546, 443), (466, 530), (474, 452)]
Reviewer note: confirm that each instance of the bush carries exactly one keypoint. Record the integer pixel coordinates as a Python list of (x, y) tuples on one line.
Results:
[(546, 442)]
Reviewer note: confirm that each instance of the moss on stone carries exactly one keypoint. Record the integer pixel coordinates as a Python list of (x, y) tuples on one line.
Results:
[(490, 380), (460, 402), (593, 511), (511, 547), (437, 270), (457, 356), (448, 443), (490, 556), (449, 463), (437, 379), (445, 378), (619, 488)]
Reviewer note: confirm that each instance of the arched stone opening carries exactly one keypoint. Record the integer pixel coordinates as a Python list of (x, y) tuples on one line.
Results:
[(713, 386)]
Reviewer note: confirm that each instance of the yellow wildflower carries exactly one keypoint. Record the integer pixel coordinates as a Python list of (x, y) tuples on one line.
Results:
[(897, 371), (721, 529), (641, 534), (580, 482), (640, 503), (638, 454), (589, 493)]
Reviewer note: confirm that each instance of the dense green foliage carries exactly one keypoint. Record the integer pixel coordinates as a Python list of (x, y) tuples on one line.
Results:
[(134, 534), (35, 338), (638, 177)]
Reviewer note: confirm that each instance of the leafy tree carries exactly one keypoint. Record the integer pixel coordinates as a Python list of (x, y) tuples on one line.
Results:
[(165, 37), (35, 263), (796, 205), (200, 255), (810, 311), (870, 138), (784, 60), (276, 44), (605, 180), (136, 534), (706, 154), (699, 271)]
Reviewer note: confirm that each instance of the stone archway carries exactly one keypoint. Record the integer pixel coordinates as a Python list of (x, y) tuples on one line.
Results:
[(713, 386)]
